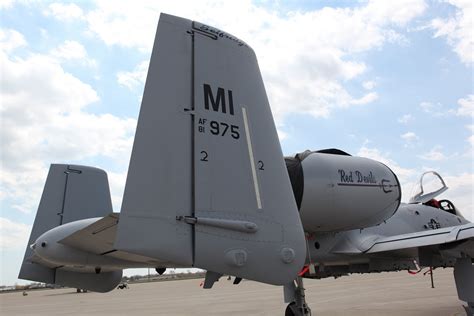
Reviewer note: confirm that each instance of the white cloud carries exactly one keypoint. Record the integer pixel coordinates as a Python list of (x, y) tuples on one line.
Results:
[(5, 4), (458, 30), (13, 235), (471, 138), (308, 74), (405, 119), (50, 90), (64, 12), (72, 51), (10, 40), (435, 154), (435, 109), (410, 138), (398, 12), (406, 176), (461, 186), (117, 186), (461, 193), (369, 85), (466, 106), (368, 98), (426, 106), (133, 24), (134, 78), (46, 121)]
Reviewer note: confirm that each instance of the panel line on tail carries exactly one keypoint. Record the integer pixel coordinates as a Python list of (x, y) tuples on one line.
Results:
[(252, 160), (193, 148)]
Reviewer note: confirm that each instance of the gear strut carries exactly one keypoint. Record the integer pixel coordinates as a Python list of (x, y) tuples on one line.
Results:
[(294, 293)]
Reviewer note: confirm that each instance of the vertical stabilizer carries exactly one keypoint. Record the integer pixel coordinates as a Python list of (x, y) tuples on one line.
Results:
[(71, 193), (159, 185), (207, 184)]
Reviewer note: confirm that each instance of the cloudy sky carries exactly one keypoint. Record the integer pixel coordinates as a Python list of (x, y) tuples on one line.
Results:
[(389, 80)]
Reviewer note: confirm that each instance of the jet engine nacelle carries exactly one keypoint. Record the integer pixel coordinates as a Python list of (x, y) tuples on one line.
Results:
[(339, 192)]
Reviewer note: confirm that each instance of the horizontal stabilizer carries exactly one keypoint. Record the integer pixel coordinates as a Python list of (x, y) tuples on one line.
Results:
[(97, 238)]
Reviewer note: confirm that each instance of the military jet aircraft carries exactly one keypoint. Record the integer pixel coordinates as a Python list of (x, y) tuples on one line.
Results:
[(208, 187)]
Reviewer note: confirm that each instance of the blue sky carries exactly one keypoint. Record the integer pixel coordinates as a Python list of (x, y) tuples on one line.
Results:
[(389, 80)]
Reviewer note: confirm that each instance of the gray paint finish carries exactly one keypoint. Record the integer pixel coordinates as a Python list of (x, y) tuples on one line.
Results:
[(159, 186), (71, 193), (228, 186), (346, 192), (46, 218), (168, 178), (464, 276), (207, 187), (403, 238)]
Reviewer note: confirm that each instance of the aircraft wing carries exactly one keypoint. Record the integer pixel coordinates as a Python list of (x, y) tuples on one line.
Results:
[(440, 236)]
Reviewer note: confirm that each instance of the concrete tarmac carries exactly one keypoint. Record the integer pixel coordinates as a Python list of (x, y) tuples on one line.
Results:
[(396, 293)]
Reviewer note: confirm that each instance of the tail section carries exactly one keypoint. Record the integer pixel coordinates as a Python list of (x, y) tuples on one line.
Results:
[(207, 184), (71, 193)]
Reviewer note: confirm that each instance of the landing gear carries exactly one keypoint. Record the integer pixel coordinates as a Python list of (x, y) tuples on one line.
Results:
[(294, 293), (469, 309), (464, 277)]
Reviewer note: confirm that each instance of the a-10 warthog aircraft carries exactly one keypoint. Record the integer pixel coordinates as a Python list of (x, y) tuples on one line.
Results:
[(208, 187)]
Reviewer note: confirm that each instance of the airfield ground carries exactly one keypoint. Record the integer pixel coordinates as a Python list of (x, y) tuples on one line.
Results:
[(376, 294)]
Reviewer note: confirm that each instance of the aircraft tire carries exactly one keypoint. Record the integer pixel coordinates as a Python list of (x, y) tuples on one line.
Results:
[(293, 310), (290, 309)]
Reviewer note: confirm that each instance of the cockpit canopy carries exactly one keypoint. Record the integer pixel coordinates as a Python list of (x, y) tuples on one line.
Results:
[(429, 186)]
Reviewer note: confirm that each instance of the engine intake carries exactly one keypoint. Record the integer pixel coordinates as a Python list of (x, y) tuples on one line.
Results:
[(336, 191)]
